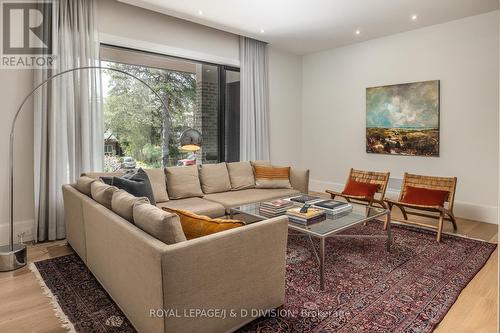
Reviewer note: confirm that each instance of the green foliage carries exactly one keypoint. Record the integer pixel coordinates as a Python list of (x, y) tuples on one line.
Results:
[(134, 114)]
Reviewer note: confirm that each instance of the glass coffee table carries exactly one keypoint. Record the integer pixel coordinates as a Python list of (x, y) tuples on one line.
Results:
[(331, 227)]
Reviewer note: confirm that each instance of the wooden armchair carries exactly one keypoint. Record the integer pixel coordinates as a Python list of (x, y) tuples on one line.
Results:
[(442, 213), (379, 178)]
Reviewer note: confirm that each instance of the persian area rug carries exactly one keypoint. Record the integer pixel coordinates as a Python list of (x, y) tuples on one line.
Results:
[(367, 289), (79, 301)]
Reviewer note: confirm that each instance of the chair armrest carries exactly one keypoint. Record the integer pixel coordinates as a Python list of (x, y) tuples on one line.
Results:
[(241, 268), (347, 196), (299, 179), (404, 204)]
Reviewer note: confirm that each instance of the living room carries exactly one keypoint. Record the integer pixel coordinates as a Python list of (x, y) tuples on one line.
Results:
[(250, 123)]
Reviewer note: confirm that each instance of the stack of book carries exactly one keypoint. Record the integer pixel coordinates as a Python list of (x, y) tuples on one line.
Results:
[(313, 215), (275, 207), (334, 207)]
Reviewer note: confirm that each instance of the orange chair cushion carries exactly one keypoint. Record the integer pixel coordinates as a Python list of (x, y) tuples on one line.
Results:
[(195, 226), (360, 189), (424, 196)]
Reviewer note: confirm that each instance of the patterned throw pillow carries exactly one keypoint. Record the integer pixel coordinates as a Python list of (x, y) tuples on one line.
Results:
[(272, 177), (195, 225)]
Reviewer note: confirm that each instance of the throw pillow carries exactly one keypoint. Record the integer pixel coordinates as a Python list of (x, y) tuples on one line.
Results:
[(122, 203), (360, 189), (158, 223), (102, 193), (183, 182), (158, 184), (195, 226), (241, 175), (272, 177), (136, 183), (424, 196), (214, 178), (83, 184)]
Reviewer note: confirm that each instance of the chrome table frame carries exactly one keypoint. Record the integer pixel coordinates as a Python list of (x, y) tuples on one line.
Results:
[(380, 212)]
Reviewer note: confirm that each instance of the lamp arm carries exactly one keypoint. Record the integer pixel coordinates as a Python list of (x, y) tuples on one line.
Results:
[(12, 130)]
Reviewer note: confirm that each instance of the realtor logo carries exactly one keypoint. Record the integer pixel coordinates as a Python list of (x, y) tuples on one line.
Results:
[(27, 34)]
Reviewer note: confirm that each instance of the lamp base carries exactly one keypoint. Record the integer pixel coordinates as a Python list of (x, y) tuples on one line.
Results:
[(12, 259)]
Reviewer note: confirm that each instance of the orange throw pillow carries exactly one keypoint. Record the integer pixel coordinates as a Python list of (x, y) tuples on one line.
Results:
[(272, 177), (425, 196), (360, 189), (195, 226)]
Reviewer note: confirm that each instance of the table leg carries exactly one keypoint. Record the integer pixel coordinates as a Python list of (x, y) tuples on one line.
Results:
[(389, 233), (322, 264)]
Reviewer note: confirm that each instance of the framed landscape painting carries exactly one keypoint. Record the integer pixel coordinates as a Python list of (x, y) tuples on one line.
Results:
[(403, 119)]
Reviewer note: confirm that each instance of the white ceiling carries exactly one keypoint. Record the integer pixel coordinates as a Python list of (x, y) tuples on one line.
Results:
[(301, 26)]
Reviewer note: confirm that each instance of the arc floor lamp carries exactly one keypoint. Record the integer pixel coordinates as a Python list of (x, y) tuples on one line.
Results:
[(14, 256)]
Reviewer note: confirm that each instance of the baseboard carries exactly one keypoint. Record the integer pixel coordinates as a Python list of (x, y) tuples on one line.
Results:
[(466, 210), (19, 227)]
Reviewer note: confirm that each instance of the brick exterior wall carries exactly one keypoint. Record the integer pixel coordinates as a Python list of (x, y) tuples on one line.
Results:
[(207, 120)]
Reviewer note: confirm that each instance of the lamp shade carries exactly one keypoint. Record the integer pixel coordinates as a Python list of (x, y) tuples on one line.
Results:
[(190, 140)]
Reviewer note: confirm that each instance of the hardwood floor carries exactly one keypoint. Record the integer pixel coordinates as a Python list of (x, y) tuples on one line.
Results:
[(24, 308)]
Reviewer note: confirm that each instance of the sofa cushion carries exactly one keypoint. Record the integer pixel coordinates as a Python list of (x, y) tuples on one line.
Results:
[(238, 198), (241, 175), (122, 203), (183, 182), (83, 184), (214, 178), (272, 177), (102, 193), (195, 225), (196, 205), (158, 184), (260, 162), (158, 223)]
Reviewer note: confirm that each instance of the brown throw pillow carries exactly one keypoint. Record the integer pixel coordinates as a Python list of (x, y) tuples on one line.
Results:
[(195, 226), (272, 177)]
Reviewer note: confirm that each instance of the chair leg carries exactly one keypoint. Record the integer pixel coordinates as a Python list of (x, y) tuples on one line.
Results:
[(368, 211), (389, 207), (405, 216), (440, 226), (453, 221)]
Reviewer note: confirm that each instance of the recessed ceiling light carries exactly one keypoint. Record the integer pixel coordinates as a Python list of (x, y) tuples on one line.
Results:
[(414, 17), (358, 32), (262, 31), (200, 12)]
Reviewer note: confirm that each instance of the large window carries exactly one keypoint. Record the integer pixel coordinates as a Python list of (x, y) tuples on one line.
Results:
[(138, 133)]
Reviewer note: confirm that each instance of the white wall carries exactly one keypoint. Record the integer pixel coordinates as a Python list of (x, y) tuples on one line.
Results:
[(285, 99), (131, 26), (462, 54), (14, 85)]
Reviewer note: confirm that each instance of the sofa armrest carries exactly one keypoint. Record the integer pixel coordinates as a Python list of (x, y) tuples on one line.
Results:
[(299, 178), (127, 263), (241, 269)]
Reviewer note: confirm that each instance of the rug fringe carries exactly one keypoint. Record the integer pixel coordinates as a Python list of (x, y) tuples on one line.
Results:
[(59, 313)]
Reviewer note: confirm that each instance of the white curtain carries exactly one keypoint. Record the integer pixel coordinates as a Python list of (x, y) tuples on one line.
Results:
[(254, 104), (68, 124)]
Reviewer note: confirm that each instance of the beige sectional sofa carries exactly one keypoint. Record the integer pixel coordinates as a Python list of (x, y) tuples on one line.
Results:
[(158, 285)]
